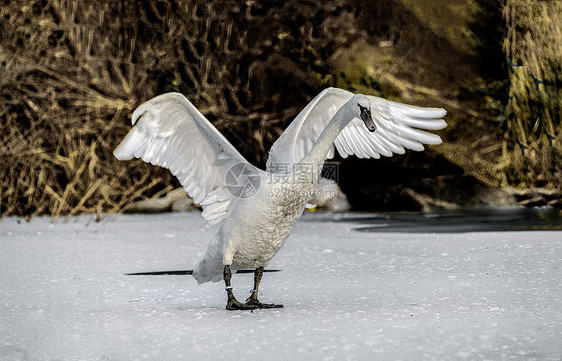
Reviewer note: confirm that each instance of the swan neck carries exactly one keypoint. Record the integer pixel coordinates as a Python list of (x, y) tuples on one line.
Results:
[(325, 141)]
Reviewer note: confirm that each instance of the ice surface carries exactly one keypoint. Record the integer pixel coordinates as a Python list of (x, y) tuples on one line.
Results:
[(348, 294)]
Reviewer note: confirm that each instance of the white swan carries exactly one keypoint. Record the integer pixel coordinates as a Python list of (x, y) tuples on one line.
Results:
[(255, 209)]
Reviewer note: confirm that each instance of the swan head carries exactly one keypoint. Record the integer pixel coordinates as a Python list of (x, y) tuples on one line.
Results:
[(362, 108)]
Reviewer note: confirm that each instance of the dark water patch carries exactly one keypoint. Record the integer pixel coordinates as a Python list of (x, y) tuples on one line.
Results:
[(458, 221)]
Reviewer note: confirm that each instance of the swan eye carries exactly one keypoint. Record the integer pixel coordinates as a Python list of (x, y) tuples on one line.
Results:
[(363, 109)]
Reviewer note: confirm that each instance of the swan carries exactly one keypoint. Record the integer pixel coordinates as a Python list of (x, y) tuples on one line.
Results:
[(255, 210)]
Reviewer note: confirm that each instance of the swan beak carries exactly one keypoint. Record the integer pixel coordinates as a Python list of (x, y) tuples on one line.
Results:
[(368, 120)]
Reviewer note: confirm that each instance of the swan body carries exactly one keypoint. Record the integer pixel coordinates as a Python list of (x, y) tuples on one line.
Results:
[(260, 230), (255, 210)]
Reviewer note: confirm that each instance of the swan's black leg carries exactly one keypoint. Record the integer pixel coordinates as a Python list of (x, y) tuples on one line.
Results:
[(253, 299), (233, 303)]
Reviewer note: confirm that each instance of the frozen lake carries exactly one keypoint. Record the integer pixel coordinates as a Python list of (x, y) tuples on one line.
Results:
[(479, 286)]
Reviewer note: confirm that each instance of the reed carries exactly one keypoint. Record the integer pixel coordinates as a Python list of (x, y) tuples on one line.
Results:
[(532, 150), (73, 71)]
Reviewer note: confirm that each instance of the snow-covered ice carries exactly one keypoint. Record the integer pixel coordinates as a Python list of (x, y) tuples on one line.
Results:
[(355, 287)]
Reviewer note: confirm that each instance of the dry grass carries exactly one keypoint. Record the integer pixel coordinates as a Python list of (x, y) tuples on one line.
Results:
[(51, 149), (72, 72), (532, 145), (68, 86)]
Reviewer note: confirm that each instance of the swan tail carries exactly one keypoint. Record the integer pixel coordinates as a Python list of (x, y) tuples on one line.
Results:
[(208, 271)]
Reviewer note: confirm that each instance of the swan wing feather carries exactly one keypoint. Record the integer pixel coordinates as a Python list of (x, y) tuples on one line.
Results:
[(299, 137), (170, 132), (399, 127)]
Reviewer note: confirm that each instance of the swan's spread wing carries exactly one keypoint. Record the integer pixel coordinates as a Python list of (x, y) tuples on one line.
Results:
[(172, 133), (398, 128), (299, 137)]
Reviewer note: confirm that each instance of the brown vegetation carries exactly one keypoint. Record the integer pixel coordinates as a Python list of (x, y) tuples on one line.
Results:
[(65, 93), (532, 145), (73, 71)]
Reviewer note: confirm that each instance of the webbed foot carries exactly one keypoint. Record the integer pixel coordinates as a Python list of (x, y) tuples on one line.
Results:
[(233, 305), (255, 302), (252, 302)]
